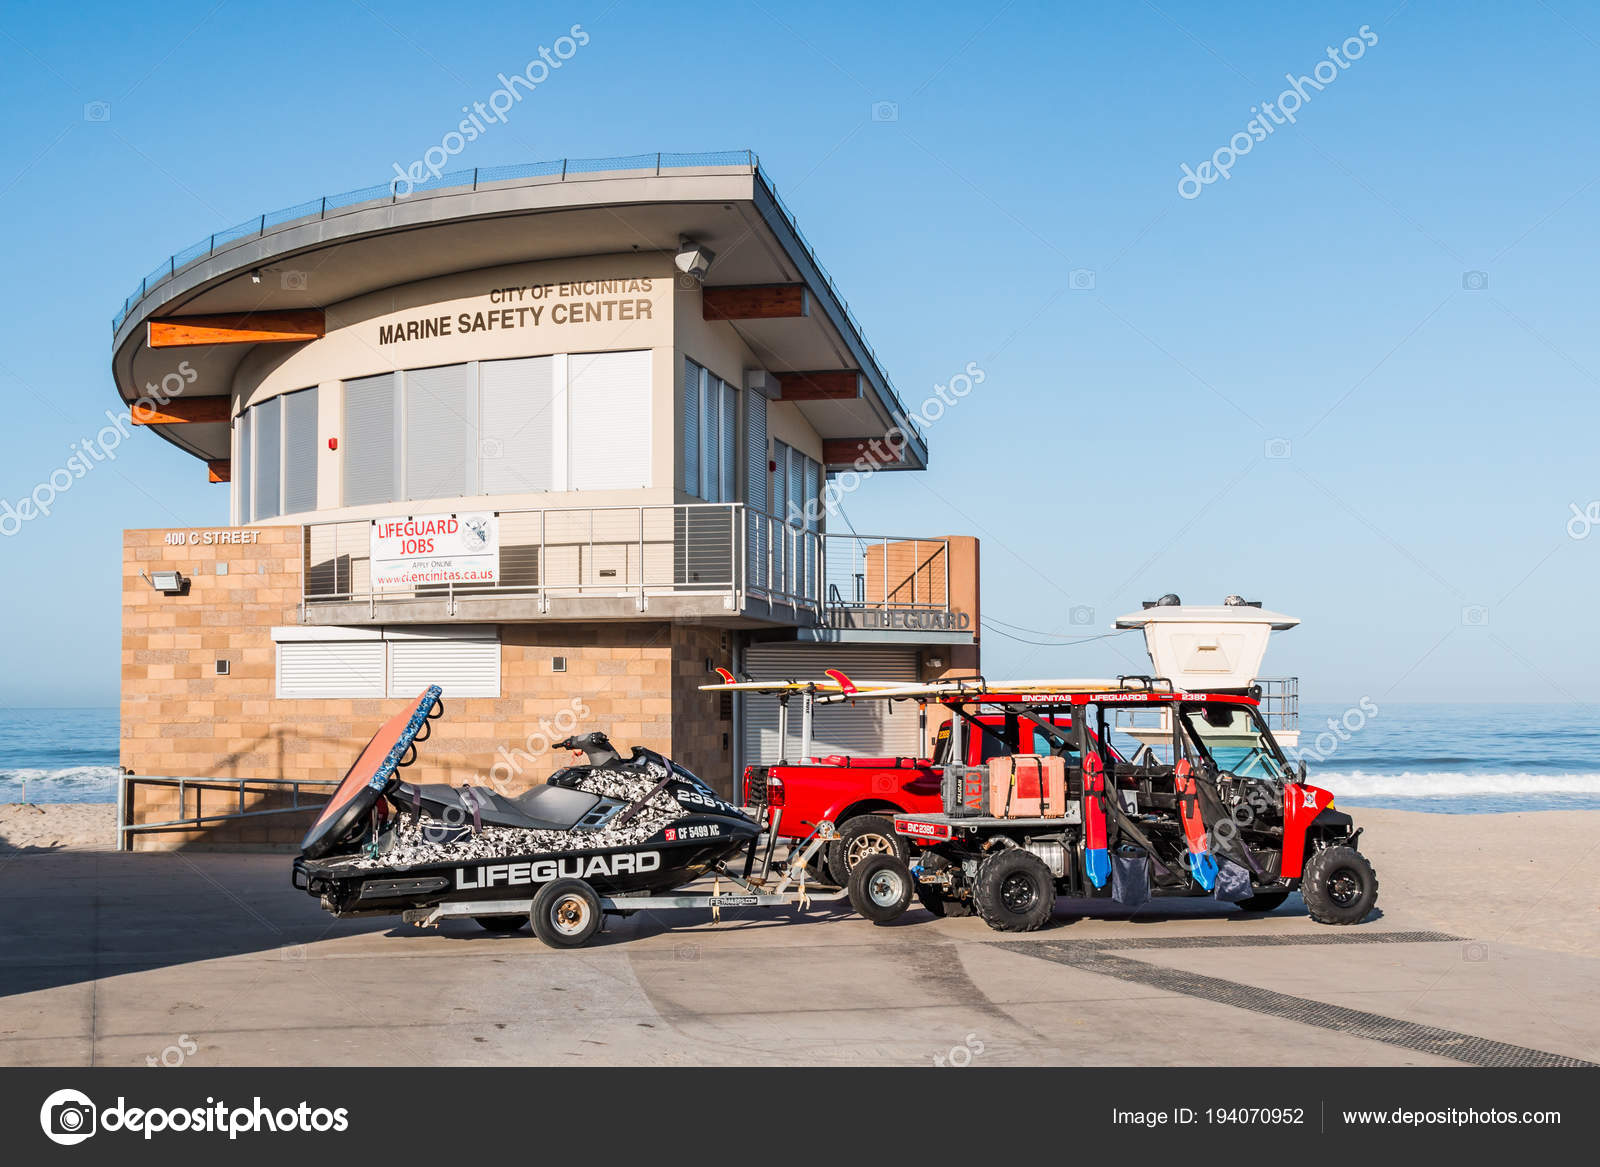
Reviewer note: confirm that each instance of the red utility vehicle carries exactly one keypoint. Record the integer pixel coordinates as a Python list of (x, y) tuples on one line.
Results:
[(861, 796)]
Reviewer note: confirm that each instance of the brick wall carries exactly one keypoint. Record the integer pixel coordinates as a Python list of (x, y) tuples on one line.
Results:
[(637, 681)]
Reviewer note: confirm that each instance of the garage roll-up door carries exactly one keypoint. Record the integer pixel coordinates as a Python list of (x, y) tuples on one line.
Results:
[(865, 729)]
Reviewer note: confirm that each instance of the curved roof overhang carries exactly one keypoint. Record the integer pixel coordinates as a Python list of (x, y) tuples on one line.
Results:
[(348, 251)]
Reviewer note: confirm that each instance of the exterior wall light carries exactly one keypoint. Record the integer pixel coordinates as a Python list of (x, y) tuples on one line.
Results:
[(168, 583), (693, 259)]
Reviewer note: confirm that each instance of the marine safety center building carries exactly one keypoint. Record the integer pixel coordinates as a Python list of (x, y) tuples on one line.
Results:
[(555, 437)]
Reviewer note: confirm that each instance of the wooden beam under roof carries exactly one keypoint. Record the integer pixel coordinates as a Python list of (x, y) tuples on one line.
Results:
[(829, 385), (755, 302), (182, 410), (238, 328)]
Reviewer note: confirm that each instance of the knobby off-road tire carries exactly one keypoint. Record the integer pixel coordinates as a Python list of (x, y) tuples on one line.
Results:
[(1014, 891), (1339, 886)]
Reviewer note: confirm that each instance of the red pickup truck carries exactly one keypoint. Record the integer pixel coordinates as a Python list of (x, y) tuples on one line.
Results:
[(861, 795)]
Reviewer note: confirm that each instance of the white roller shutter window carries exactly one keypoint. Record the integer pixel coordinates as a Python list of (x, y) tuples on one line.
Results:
[(755, 450), (869, 729), (268, 425), (689, 409), (608, 420), (462, 668), (371, 440), (246, 463), (755, 473), (710, 436), (730, 443), (517, 425), (331, 668), (300, 452), (441, 432)]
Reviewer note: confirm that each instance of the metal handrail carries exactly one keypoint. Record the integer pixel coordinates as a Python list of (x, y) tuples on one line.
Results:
[(125, 829), (650, 550), (666, 549)]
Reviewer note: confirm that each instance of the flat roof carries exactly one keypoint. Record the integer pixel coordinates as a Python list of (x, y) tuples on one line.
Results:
[(476, 219)]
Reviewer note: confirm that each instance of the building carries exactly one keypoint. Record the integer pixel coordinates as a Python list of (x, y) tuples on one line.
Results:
[(556, 437)]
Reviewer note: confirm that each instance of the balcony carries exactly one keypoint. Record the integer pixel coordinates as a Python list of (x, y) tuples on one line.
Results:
[(719, 563)]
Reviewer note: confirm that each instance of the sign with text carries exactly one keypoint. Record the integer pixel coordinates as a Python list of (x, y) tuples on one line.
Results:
[(435, 549), (532, 306)]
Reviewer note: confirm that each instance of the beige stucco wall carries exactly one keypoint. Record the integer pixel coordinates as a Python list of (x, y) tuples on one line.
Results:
[(351, 348)]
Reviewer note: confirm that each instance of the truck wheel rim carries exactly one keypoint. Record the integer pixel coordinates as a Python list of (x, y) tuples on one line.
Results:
[(884, 888), (866, 845), (1344, 888), (1018, 893), (570, 915)]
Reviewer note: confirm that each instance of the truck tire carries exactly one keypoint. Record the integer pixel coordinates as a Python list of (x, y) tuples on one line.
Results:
[(566, 913), (1263, 901), (1014, 891), (501, 924), (949, 907), (864, 835), (880, 888), (1339, 886)]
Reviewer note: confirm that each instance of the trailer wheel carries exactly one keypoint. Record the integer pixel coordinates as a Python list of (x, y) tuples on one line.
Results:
[(1264, 901), (860, 837), (501, 924), (949, 907), (566, 913), (1339, 886), (880, 888), (1014, 892)]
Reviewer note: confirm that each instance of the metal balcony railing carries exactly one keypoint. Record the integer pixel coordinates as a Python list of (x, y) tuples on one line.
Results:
[(641, 552), (1280, 703)]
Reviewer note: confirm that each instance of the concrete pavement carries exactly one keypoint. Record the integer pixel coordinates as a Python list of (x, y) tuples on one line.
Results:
[(114, 959)]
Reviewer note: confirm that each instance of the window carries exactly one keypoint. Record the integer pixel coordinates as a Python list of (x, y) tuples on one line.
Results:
[(709, 408), (608, 420), (689, 411), (278, 456), (300, 452), (566, 422), (387, 662), (372, 440), (441, 430), (246, 462), (267, 423), (330, 662), (519, 415)]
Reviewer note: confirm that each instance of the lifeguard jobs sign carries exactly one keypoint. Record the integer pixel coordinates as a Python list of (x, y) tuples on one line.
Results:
[(435, 549)]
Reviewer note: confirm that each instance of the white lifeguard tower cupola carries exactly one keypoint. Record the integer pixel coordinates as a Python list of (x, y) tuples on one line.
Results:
[(1219, 647)]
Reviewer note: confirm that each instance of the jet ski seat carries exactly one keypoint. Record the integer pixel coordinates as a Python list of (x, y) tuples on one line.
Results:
[(544, 808)]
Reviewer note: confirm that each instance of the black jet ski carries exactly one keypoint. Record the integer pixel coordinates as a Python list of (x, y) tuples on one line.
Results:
[(641, 825)]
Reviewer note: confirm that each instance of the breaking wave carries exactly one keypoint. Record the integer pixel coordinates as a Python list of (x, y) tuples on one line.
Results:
[(65, 784), (1435, 784)]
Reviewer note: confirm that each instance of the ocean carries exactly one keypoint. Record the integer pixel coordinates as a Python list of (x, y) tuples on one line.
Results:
[(1448, 759), (59, 755)]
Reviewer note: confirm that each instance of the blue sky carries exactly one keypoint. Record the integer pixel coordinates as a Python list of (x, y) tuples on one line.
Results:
[(1128, 437)]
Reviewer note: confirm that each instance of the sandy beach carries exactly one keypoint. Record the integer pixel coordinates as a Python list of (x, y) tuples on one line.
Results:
[(70, 826)]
